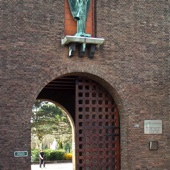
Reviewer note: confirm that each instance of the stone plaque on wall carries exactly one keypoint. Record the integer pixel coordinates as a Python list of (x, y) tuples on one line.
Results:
[(153, 127)]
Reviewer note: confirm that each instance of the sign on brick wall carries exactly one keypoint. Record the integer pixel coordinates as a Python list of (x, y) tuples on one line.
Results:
[(153, 127), (20, 153)]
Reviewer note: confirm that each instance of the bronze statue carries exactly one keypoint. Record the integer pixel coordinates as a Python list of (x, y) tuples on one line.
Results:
[(79, 10)]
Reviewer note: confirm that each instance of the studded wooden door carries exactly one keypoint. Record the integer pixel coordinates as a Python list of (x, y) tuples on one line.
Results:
[(97, 128)]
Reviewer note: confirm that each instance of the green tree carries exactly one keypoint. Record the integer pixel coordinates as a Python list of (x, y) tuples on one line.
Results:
[(47, 118)]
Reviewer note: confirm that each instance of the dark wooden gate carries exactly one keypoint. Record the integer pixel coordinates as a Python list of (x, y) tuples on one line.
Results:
[(97, 128)]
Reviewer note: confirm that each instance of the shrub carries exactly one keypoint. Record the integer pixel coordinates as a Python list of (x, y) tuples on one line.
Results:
[(50, 155), (68, 156), (35, 155), (55, 155)]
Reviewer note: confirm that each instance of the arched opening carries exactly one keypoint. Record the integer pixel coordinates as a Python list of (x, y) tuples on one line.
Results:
[(52, 132), (96, 118)]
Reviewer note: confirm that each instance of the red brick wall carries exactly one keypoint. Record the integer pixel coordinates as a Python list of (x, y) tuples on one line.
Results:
[(132, 64)]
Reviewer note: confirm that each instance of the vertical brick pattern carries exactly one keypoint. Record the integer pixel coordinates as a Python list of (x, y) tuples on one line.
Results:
[(132, 64)]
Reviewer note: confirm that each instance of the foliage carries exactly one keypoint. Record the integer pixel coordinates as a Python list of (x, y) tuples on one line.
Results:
[(60, 145), (43, 119), (56, 155), (50, 155), (68, 156), (67, 147), (48, 119), (35, 155)]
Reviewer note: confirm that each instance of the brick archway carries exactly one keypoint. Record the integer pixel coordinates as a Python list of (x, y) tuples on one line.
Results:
[(96, 119)]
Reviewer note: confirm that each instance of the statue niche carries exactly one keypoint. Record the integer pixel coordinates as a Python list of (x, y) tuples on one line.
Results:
[(79, 10)]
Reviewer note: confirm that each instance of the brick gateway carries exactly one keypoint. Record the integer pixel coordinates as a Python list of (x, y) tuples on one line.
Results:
[(131, 64)]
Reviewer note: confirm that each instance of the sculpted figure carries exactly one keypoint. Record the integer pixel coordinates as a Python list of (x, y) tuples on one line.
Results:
[(79, 10)]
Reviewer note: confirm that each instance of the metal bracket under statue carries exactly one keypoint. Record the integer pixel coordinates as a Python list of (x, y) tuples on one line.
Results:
[(82, 43)]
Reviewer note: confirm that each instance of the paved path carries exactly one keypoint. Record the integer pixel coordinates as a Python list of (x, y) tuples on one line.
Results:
[(54, 166)]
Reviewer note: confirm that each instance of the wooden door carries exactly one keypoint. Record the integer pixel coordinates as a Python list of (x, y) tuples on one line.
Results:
[(97, 128)]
